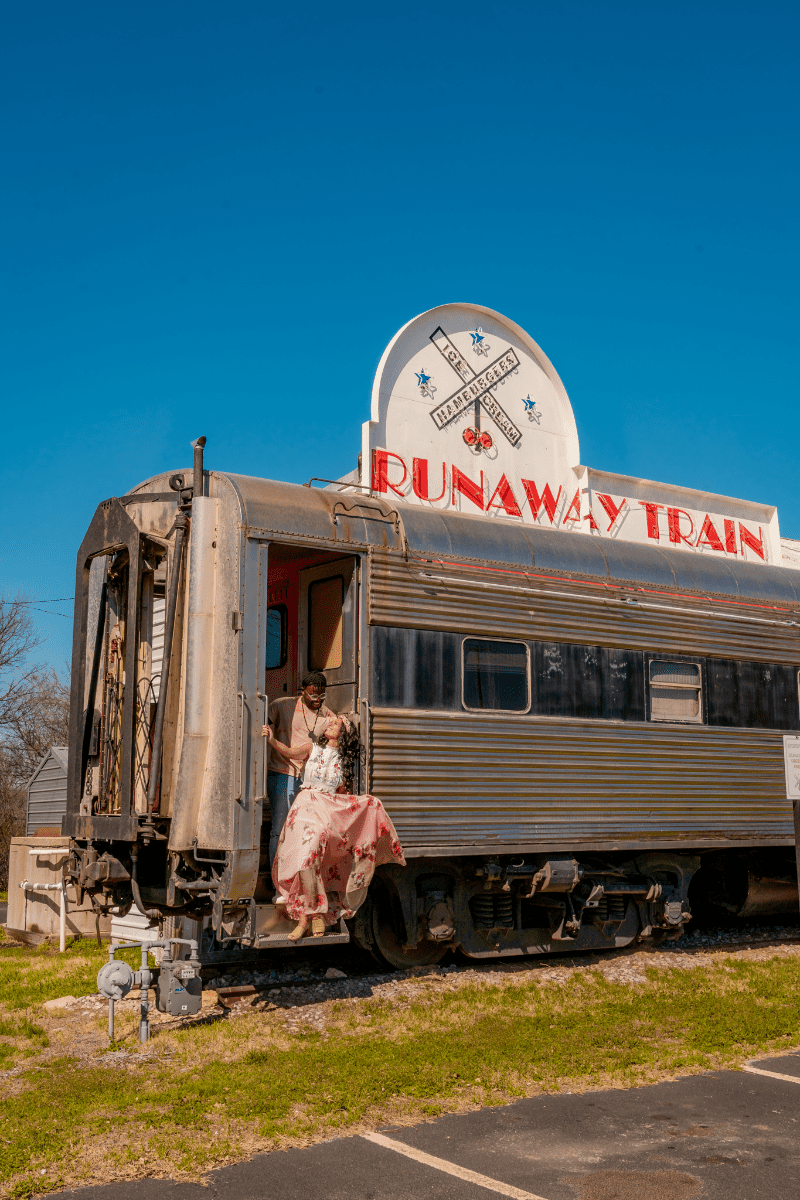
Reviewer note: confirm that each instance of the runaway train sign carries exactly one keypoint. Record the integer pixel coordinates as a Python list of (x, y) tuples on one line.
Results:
[(468, 413)]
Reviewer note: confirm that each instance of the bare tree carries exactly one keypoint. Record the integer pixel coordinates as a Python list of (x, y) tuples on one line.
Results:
[(17, 643), (34, 715)]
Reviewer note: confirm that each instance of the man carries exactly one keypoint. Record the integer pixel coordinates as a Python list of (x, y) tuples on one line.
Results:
[(292, 722)]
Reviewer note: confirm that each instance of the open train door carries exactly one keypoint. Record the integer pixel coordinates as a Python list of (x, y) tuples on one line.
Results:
[(328, 629)]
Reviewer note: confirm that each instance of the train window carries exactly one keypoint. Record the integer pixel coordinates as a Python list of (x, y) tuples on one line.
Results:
[(277, 622), (495, 675), (325, 601), (675, 691)]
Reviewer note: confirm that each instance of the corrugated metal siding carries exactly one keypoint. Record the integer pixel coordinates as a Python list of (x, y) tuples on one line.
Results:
[(471, 601), (476, 779), (47, 792)]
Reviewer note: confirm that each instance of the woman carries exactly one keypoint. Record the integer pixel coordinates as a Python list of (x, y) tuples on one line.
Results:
[(332, 841)]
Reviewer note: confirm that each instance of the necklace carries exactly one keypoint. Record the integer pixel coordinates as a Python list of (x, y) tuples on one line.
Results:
[(310, 731)]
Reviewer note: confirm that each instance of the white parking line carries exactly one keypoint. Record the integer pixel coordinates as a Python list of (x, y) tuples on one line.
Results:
[(441, 1164), (772, 1074)]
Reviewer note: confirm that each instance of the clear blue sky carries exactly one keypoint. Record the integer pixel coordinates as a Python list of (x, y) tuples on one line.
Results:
[(214, 217)]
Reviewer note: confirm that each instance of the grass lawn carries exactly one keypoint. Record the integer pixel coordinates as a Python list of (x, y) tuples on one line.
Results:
[(221, 1089)]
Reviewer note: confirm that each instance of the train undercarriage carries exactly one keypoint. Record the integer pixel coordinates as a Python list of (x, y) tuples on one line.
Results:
[(486, 907)]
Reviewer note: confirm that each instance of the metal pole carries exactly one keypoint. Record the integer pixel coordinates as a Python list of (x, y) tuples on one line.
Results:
[(88, 719), (111, 952), (144, 1002), (197, 467), (62, 920), (181, 522)]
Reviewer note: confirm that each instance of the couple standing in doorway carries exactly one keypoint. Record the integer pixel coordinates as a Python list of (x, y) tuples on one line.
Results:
[(293, 722), (325, 841)]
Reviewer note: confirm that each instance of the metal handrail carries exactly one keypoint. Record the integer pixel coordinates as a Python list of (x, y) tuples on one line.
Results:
[(361, 487)]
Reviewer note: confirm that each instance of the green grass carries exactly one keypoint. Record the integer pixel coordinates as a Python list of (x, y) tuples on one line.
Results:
[(237, 1086), (32, 974), (29, 975), (21, 1028)]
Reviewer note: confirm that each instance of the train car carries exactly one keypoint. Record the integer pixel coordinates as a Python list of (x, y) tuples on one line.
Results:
[(580, 740)]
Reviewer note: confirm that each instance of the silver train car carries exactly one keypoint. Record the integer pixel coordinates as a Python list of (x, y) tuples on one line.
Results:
[(579, 741)]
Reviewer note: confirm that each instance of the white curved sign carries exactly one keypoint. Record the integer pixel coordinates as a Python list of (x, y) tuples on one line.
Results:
[(468, 413)]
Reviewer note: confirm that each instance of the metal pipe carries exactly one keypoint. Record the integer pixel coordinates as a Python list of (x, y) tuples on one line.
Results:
[(197, 477), (152, 913), (112, 950), (88, 720), (62, 914), (181, 522), (146, 976)]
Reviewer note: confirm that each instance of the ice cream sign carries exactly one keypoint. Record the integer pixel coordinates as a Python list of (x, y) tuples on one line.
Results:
[(468, 413)]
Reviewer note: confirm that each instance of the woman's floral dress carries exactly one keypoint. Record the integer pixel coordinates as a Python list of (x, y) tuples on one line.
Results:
[(330, 845)]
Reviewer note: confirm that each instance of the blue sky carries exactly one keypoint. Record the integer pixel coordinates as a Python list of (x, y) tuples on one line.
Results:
[(216, 216)]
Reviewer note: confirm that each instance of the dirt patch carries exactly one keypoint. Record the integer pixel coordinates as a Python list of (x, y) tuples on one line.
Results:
[(634, 1185)]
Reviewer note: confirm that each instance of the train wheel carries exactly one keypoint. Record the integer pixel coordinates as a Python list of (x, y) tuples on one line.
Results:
[(389, 945)]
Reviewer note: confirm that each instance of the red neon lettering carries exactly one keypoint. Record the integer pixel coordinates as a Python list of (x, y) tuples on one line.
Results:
[(590, 518), (506, 500), (746, 538), (536, 501), (576, 504), (419, 480), (380, 472), (612, 510), (730, 536), (462, 483), (674, 522), (709, 536), (652, 519)]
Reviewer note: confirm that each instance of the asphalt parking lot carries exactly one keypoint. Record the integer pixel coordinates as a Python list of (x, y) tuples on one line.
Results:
[(726, 1135)]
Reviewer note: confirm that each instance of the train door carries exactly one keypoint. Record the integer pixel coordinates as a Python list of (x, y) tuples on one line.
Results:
[(281, 667), (328, 628)]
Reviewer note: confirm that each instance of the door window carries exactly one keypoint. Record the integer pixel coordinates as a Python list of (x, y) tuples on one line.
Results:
[(277, 623), (325, 601)]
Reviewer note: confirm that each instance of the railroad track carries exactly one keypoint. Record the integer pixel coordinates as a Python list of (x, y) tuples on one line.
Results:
[(299, 968)]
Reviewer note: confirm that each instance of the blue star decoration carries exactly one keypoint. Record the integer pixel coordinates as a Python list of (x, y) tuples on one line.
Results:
[(477, 336), (531, 410), (422, 378)]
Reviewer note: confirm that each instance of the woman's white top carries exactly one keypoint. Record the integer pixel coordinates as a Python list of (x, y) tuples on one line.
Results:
[(323, 769)]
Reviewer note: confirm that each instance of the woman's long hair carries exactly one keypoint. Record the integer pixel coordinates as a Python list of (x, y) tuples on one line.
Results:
[(348, 749)]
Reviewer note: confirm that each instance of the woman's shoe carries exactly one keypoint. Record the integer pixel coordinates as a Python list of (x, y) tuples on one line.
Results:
[(297, 933), (317, 926)]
